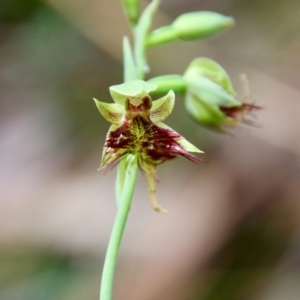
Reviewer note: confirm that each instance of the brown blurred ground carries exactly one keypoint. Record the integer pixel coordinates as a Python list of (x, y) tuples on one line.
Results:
[(233, 228)]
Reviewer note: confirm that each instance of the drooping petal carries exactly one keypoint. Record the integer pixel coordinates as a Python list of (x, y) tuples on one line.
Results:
[(150, 172), (162, 107), (112, 112), (131, 88)]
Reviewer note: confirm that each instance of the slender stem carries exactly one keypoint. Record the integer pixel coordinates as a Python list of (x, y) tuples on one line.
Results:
[(134, 68), (118, 229)]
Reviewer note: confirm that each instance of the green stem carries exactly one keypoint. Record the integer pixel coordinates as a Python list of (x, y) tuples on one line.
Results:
[(166, 83), (118, 229), (140, 35), (134, 68)]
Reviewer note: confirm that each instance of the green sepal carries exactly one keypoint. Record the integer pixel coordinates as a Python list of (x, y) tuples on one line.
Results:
[(212, 70), (130, 89), (166, 83), (188, 146), (162, 107), (112, 112), (203, 112), (182, 141), (209, 92)]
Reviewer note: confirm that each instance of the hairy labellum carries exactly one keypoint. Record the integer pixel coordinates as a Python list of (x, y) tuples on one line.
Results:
[(145, 140)]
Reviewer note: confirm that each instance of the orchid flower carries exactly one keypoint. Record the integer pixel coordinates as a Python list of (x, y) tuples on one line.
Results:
[(210, 98), (137, 130)]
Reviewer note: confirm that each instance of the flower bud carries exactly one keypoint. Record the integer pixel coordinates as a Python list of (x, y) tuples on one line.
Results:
[(210, 97), (195, 25), (210, 69), (132, 10), (190, 26)]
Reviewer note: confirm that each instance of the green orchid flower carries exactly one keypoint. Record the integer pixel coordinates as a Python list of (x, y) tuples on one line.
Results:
[(210, 98), (137, 130)]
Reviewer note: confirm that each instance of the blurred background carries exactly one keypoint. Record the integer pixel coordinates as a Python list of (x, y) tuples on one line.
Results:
[(234, 224)]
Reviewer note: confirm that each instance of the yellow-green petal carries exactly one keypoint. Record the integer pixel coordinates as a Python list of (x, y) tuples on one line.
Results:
[(188, 146), (112, 112), (162, 107), (131, 88)]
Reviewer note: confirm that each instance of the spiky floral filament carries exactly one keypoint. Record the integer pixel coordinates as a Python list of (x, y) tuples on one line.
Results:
[(146, 140), (151, 144)]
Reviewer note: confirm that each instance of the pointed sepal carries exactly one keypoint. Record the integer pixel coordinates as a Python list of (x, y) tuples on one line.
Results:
[(131, 88), (112, 112), (209, 68), (187, 146), (162, 107)]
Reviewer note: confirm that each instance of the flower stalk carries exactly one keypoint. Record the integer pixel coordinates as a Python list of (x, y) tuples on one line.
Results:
[(134, 68), (118, 228)]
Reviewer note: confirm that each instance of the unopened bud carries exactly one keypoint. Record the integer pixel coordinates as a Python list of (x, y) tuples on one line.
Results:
[(190, 26), (209, 69), (210, 98), (132, 10), (195, 25)]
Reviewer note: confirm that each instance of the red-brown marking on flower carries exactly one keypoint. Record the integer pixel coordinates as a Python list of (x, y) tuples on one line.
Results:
[(147, 141), (137, 131), (234, 112)]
